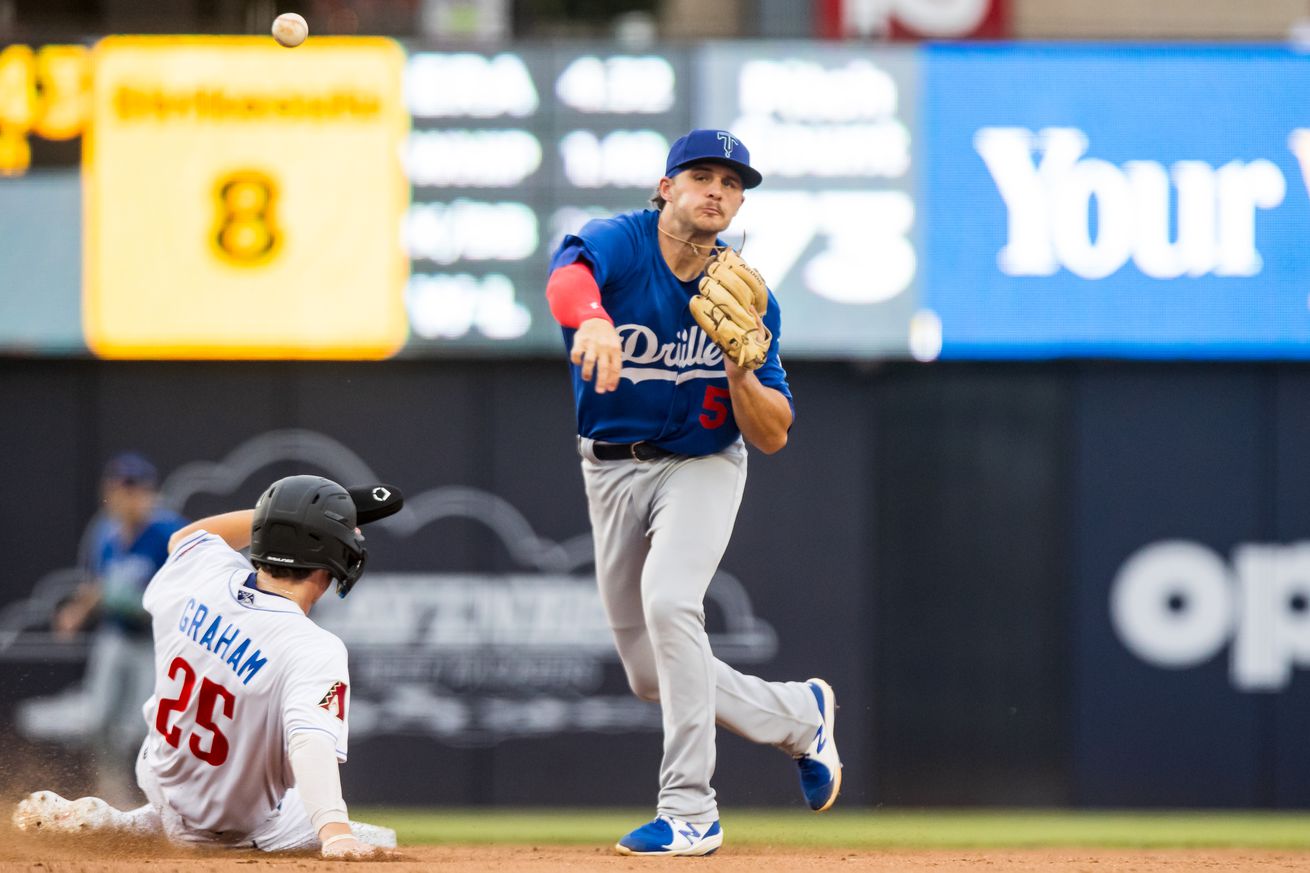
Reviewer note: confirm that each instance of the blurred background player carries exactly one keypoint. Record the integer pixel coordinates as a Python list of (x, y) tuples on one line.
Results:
[(249, 716), (122, 548), (664, 464)]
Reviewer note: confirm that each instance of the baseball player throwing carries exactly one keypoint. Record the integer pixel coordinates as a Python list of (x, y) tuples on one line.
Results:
[(673, 342), (249, 716)]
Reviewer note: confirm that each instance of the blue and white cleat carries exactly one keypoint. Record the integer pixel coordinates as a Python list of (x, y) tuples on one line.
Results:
[(820, 767), (667, 836)]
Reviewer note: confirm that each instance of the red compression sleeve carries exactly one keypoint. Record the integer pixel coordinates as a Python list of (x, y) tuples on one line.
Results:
[(574, 295)]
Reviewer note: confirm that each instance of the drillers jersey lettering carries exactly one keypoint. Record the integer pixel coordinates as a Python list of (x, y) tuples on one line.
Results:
[(237, 672), (673, 389)]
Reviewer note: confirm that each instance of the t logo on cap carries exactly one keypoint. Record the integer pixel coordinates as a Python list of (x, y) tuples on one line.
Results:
[(728, 142), (714, 147)]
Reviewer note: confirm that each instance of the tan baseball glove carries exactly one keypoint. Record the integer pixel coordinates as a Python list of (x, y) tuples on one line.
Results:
[(728, 307)]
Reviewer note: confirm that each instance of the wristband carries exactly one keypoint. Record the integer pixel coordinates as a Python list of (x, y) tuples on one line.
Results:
[(337, 838)]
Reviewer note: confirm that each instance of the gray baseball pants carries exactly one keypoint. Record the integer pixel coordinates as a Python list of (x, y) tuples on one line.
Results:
[(660, 530)]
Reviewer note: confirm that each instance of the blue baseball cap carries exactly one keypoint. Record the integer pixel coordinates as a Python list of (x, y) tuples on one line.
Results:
[(712, 146), (131, 468)]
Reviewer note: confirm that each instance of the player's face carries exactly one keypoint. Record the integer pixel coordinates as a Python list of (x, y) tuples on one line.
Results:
[(130, 504), (705, 196)]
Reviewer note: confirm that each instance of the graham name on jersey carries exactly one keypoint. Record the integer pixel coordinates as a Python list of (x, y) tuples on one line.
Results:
[(220, 638)]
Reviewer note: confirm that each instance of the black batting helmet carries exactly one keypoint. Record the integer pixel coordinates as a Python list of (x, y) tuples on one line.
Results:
[(309, 522)]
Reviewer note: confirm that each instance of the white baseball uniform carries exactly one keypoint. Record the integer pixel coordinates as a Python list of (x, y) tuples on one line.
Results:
[(238, 672)]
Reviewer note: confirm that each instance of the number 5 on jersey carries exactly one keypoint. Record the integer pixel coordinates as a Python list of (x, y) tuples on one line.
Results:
[(716, 410), (211, 693)]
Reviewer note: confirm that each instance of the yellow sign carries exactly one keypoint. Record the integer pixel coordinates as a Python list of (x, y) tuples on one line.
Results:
[(244, 200)]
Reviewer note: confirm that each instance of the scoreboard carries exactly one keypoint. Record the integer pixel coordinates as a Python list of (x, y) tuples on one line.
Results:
[(512, 150), (356, 198), (509, 151), (43, 104), (832, 128)]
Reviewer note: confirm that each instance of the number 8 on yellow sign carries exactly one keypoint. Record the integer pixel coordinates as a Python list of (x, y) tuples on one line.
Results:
[(247, 231)]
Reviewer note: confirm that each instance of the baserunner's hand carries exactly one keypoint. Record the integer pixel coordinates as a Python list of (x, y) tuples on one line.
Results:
[(596, 349), (346, 848)]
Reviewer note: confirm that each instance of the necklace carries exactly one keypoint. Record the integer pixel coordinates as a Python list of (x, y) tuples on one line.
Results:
[(695, 247)]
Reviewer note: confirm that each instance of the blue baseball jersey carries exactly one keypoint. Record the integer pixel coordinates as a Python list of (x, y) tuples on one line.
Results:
[(123, 568), (673, 390)]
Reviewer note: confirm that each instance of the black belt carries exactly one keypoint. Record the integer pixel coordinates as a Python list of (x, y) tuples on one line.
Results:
[(642, 451)]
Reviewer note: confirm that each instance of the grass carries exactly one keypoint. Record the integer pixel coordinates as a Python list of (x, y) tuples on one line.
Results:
[(865, 829)]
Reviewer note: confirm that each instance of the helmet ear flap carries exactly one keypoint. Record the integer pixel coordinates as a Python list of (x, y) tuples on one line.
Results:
[(354, 569)]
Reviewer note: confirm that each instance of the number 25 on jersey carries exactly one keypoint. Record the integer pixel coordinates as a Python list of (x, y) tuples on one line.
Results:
[(212, 697)]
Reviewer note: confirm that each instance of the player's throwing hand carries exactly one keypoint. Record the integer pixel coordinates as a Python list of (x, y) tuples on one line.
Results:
[(597, 350)]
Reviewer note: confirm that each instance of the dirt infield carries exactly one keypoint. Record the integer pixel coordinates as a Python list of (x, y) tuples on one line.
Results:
[(78, 856)]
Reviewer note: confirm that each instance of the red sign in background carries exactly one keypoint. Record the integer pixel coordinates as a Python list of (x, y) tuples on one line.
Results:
[(913, 19)]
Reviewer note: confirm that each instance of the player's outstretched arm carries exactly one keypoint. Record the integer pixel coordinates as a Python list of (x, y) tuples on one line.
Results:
[(233, 527), (318, 781), (575, 302)]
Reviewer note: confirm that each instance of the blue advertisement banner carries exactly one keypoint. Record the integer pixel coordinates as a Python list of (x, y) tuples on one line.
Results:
[(1125, 201)]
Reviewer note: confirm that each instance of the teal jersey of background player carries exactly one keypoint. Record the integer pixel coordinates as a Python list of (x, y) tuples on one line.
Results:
[(673, 390)]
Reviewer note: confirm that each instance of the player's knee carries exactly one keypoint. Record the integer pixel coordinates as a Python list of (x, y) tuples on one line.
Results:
[(646, 687), (663, 611)]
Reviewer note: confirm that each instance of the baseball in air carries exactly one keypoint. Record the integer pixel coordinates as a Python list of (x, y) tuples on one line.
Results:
[(290, 29)]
